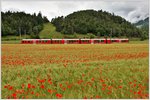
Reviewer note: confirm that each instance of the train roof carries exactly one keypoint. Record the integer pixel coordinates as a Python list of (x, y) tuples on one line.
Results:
[(78, 39)]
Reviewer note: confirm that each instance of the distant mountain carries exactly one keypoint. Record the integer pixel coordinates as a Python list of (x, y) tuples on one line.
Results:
[(143, 23)]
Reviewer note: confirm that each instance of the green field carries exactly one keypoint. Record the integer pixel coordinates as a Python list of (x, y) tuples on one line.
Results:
[(114, 71)]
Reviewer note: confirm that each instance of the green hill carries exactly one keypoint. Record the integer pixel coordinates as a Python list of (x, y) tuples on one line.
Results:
[(100, 23)]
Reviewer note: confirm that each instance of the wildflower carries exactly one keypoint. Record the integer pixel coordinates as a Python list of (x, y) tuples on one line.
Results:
[(104, 85), (139, 92), (101, 80), (80, 81), (42, 86), (42, 81), (29, 85), (23, 86), (33, 86), (134, 85), (5, 86), (130, 82), (103, 89), (69, 86), (59, 95), (120, 86), (10, 88), (32, 92), (134, 92), (92, 79), (14, 95), (109, 92), (83, 75), (63, 88), (50, 91), (60, 85)]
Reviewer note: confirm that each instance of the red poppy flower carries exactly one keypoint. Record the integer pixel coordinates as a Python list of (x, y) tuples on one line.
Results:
[(130, 82), (101, 80), (97, 97), (92, 79), (33, 86), (139, 92), (42, 81), (14, 95), (32, 92), (69, 86), (42, 86), (29, 85), (104, 85), (59, 95), (5, 86), (50, 91), (60, 85), (120, 86), (10, 88)]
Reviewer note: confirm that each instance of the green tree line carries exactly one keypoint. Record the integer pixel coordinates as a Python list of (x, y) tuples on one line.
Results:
[(16, 23)]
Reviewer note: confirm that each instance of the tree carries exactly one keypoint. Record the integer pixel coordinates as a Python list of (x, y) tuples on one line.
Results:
[(14, 23)]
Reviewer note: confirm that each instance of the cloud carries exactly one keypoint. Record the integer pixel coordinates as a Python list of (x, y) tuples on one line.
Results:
[(131, 10)]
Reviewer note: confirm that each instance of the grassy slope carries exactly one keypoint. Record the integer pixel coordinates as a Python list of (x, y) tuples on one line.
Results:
[(49, 31)]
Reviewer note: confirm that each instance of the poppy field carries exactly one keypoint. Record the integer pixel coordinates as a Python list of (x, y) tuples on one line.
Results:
[(107, 71)]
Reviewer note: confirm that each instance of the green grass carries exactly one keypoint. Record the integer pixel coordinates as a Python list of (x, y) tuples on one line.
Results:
[(139, 42), (14, 38), (11, 42), (49, 31)]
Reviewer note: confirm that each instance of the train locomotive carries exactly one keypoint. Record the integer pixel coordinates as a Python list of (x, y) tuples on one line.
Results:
[(74, 41)]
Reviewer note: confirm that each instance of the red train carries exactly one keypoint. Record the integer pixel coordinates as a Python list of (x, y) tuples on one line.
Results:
[(73, 41)]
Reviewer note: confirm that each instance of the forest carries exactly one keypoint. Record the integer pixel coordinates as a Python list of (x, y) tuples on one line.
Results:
[(99, 23), (16, 23)]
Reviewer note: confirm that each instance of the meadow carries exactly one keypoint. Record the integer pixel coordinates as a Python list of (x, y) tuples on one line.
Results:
[(107, 71)]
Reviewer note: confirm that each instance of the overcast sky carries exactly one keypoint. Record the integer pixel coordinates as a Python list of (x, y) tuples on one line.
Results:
[(131, 10)]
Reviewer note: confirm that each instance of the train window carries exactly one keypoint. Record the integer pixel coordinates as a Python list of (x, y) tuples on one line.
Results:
[(102, 40), (123, 41), (113, 40)]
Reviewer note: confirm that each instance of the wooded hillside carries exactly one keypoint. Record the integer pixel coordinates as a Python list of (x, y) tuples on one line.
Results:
[(99, 23)]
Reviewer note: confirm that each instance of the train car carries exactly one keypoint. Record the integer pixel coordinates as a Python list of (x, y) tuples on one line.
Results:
[(85, 41), (115, 40), (124, 40), (72, 41), (57, 41), (98, 41), (43, 41), (108, 41), (27, 41)]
